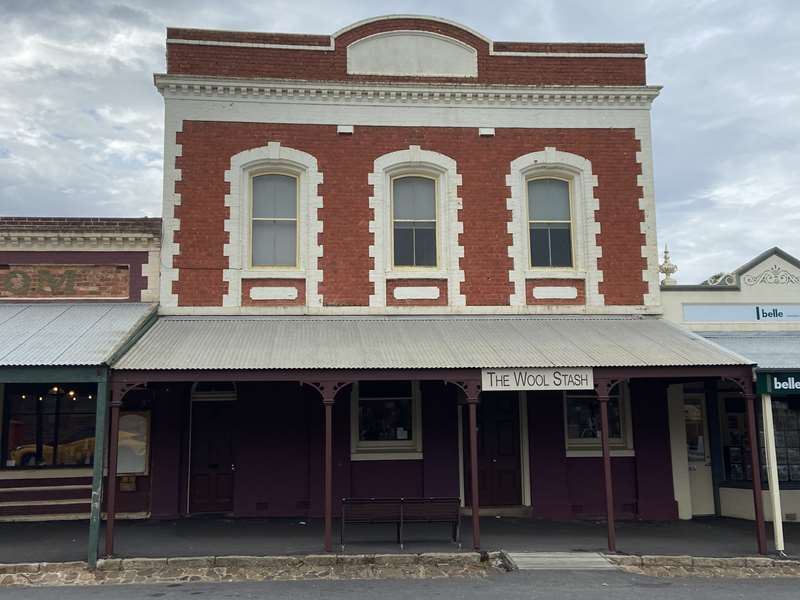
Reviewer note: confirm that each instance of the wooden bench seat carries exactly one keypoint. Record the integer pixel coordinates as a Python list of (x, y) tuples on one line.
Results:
[(400, 511)]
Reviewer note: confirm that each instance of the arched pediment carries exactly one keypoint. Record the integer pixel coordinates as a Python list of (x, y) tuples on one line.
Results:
[(412, 53)]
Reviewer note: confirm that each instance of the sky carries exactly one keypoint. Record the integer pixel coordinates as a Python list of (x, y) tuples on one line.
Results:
[(81, 125)]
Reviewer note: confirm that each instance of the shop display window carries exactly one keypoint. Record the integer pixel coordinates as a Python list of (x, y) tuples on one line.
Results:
[(48, 425), (736, 444), (385, 418), (582, 420)]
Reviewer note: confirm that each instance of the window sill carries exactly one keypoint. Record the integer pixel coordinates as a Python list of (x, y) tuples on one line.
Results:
[(417, 274), (555, 274), (358, 456), (622, 452)]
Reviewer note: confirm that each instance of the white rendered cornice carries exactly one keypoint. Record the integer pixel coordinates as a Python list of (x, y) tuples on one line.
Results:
[(391, 93)]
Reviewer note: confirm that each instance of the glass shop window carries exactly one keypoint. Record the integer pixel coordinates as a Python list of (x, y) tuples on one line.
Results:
[(736, 444), (582, 417), (49, 425), (386, 417), (550, 222), (414, 221)]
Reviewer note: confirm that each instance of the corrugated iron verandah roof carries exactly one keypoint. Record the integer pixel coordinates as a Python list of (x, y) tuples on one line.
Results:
[(419, 343), (61, 334), (770, 350)]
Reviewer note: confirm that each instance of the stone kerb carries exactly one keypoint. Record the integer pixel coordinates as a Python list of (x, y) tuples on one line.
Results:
[(252, 568)]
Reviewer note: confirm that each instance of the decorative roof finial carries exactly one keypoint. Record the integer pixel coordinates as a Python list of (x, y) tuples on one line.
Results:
[(667, 268)]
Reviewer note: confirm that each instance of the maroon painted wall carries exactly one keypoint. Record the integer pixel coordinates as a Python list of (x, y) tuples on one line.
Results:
[(279, 456), (566, 488)]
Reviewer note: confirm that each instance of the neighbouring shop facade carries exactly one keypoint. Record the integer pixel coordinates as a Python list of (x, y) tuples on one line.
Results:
[(73, 292), (755, 312), (380, 279)]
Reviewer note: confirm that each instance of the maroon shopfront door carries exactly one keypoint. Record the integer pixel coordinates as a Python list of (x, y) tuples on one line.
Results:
[(499, 475), (212, 458)]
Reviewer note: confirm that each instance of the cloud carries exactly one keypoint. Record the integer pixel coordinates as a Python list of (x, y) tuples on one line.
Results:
[(81, 123)]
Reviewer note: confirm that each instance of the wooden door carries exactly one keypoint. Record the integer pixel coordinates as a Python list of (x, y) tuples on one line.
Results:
[(212, 460), (499, 475)]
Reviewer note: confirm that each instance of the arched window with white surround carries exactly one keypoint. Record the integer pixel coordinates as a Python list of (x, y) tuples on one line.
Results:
[(273, 225), (414, 221), (553, 224), (415, 226), (550, 222)]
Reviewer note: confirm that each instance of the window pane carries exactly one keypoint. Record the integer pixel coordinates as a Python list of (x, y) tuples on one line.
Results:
[(285, 243), (560, 245), (548, 200), (274, 243), (540, 245), (274, 196), (425, 244), (414, 199), (695, 433), (75, 440), (21, 441), (384, 420), (583, 418), (404, 244), (48, 439)]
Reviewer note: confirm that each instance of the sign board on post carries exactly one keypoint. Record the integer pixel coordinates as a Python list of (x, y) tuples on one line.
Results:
[(498, 380)]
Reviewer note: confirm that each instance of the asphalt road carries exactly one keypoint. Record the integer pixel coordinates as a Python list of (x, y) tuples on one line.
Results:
[(544, 585)]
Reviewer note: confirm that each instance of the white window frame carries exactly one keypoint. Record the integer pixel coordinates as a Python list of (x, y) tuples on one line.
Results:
[(436, 178), (530, 221), (251, 198), (556, 164), (273, 158), (387, 450), (423, 163), (584, 447)]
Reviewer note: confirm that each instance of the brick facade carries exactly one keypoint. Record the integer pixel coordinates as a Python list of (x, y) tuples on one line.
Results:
[(331, 65), (346, 162), (210, 142)]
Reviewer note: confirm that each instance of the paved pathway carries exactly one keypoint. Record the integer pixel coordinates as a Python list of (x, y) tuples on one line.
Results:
[(561, 561)]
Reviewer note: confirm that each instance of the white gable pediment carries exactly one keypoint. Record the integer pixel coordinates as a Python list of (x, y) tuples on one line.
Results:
[(412, 54)]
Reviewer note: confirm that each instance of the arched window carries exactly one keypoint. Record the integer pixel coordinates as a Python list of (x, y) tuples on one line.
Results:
[(274, 220), (414, 221), (550, 222)]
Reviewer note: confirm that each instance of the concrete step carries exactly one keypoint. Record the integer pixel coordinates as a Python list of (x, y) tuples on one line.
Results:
[(561, 561)]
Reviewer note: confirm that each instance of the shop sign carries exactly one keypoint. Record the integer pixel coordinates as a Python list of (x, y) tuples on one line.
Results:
[(495, 380), (740, 313), (780, 384), (49, 281)]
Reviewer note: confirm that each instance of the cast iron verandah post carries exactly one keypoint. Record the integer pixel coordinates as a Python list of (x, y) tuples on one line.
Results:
[(472, 392), (328, 391), (603, 389)]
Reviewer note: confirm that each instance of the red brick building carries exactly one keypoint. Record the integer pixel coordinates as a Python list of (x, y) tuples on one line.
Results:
[(448, 240)]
